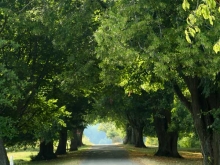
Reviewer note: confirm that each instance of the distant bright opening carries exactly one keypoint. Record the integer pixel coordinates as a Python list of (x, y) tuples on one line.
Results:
[(102, 133)]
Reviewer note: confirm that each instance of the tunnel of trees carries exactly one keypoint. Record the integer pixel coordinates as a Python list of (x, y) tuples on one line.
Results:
[(137, 63)]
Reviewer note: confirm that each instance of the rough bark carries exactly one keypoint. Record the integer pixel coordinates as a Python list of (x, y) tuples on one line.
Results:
[(200, 108), (216, 143), (167, 140), (80, 136), (133, 136), (74, 140), (209, 138), (137, 130), (139, 137), (128, 136), (46, 151), (3, 155), (61, 149)]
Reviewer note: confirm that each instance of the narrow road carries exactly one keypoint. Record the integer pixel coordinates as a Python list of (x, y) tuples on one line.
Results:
[(107, 155)]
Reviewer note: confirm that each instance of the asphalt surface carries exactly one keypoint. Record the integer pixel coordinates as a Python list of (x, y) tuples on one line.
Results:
[(107, 155)]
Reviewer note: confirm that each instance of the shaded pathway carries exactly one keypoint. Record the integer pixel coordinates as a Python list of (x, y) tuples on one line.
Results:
[(106, 155)]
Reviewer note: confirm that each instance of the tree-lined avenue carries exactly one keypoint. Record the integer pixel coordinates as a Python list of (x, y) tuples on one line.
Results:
[(67, 64)]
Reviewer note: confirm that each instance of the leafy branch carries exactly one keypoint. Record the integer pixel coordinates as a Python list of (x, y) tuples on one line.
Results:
[(205, 10)]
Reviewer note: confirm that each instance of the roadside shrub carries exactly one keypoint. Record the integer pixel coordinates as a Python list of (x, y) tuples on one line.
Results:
[(151, 141), (190, 141)]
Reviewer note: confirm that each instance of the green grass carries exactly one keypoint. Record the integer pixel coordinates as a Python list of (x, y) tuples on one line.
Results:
[(71, 158), (22, 155), (146, 156)]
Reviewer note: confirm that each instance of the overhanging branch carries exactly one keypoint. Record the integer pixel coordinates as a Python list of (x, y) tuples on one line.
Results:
[(182, 98)]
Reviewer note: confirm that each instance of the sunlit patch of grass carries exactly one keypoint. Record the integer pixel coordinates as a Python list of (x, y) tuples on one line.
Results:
[(191, 153), (146, 156), (71, 158), (22, 155)]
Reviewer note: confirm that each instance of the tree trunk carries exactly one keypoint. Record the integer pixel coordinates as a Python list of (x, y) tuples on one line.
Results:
[(46, 151), (61, 149), (203, 119), (202, 108), (167, 140), (74, 140), (216, 148), (139, 137), (137, 132), (209, 138), (80, 136), (128, 136), (133, 136), (3, 154)]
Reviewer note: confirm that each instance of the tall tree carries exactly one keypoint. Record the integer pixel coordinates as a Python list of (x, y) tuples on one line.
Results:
[(167, 136), (9, 93), (151, 35), (27, 49)]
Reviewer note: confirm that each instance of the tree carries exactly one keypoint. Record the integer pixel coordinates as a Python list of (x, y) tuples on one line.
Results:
[(77, 107), (138, 114), (167, 135), (33, 58), (4, 158), (45, 125), (36, 36), (151, 37), (61, 148), (9, 93), (122, 49)]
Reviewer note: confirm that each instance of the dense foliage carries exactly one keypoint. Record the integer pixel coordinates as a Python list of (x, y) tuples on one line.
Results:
[(64, 64)]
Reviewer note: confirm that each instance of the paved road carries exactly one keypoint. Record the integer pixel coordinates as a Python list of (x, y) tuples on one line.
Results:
[(107, 155)]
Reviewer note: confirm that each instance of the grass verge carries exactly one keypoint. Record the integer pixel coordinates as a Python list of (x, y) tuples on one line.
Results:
[(145, 156), (71, 158)]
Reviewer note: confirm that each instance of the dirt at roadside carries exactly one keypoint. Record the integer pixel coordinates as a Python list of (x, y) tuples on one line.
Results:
[(163, 161)]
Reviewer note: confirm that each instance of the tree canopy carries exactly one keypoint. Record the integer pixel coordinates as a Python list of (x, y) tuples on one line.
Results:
[(65, 63)]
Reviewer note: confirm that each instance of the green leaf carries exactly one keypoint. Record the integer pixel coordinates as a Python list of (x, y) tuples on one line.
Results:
[(211, 3), (187, 37), (197, 29), (216, 47), (211, 18), (191, 20), (191, 31), (185, 5), (205, 11), (2, 43)]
